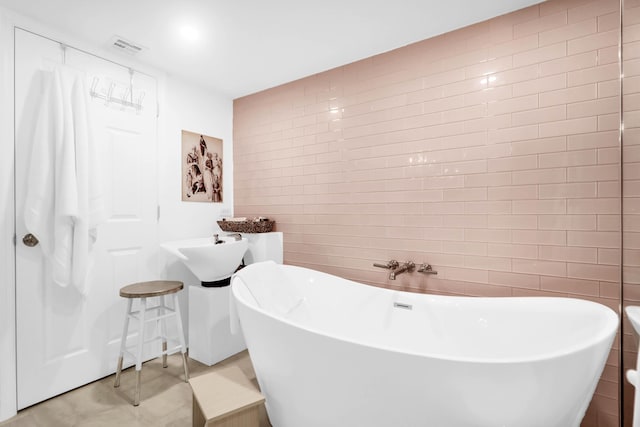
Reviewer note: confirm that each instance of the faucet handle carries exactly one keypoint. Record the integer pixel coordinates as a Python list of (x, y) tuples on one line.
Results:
[(390, 265), (426, 269)]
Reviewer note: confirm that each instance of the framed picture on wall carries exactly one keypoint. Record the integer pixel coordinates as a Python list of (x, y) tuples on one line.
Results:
[(201, 168)]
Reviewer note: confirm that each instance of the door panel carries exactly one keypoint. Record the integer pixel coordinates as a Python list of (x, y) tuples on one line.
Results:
[(65, 340)]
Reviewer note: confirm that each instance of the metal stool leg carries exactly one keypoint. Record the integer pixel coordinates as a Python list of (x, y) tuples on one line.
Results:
[(162, 329), (143, 312), (123, 343), (183, 345)]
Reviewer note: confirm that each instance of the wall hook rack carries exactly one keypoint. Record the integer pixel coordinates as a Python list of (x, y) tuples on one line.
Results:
[(126, 100)]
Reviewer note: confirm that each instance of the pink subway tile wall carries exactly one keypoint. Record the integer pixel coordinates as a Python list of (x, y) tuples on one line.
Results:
[(631, 187), (490, 152)]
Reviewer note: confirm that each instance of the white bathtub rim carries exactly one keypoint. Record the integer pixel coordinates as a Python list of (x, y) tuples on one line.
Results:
[(605, 333)]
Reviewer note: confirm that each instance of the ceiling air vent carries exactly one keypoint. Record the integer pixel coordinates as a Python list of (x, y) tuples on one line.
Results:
[(126, 46)]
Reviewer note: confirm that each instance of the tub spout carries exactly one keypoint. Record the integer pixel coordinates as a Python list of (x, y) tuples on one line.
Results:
[(405, 267), (389, 265), (236, 236)]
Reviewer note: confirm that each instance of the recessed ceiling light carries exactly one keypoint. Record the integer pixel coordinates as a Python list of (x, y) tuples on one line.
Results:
[(189, 33)]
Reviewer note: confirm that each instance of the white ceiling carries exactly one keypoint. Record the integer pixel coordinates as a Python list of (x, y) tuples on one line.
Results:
[(249, 45)]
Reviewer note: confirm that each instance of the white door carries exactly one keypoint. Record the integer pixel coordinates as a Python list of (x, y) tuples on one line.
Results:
[(65, 340)]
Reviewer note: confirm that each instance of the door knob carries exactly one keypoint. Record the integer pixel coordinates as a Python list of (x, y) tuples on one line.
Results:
[(30, 240)]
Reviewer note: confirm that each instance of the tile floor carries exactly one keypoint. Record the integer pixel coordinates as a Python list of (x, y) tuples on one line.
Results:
[(165, 399)]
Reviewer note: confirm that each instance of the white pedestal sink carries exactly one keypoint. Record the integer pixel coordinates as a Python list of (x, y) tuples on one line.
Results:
[(208, 261), (210, 338)]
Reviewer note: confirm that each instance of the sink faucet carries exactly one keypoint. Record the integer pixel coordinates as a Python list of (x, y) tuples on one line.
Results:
[(236, 236), (406, 266)]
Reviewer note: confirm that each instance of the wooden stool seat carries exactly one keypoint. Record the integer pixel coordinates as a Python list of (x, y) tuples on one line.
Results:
[(153, 288), (145, 313)]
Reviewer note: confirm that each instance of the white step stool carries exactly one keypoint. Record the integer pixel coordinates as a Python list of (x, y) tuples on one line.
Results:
[(225, 398)]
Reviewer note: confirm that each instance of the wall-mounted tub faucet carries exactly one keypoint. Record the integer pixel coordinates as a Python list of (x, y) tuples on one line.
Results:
[(396, 268), (406, 266)]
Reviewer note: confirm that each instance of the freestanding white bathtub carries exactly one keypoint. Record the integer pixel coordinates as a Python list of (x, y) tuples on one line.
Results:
[(329, 352)]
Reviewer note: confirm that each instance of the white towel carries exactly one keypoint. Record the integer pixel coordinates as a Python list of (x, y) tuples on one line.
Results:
[(64, 203), (270, 287), (38, 209), (234, 319), (91, 210)]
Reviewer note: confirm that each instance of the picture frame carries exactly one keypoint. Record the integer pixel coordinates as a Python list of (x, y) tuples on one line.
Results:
[(201, 168)]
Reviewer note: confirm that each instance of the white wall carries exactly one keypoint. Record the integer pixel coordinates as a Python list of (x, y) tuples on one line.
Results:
[(191, 108), (182, 106)]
